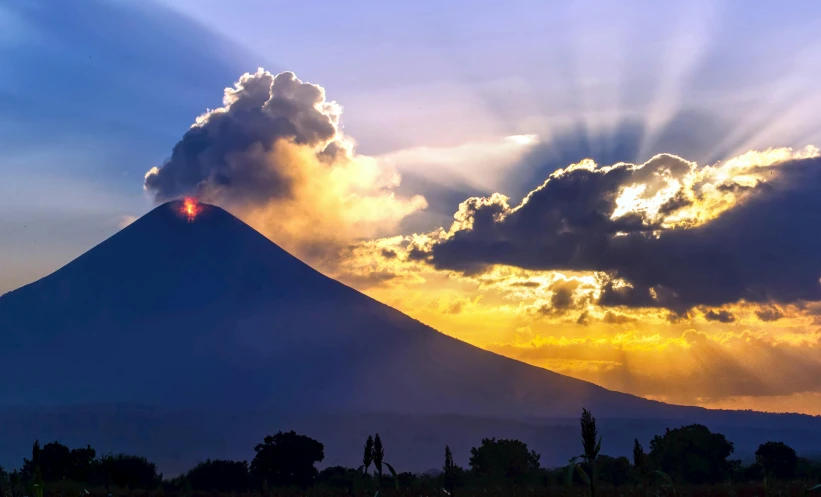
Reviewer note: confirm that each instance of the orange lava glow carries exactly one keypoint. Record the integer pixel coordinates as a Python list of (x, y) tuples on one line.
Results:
[(190, 208)]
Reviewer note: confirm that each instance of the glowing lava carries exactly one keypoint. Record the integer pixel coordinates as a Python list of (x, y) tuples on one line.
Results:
[(190, 208)]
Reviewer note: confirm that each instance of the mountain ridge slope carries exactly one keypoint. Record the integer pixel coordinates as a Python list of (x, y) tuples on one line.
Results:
[(213, 283)]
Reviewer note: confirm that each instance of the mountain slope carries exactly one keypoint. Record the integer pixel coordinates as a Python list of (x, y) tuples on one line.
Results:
[(179, 312)]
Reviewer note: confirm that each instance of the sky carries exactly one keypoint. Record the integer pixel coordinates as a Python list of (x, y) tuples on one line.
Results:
[(626, 194)]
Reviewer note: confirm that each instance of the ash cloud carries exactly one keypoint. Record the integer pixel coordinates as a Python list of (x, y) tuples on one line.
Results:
[(226, 155), (668, 233), (274, 155)]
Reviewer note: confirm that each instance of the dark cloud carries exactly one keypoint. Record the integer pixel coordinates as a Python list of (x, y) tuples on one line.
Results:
[(764, 249), (770, 313), (734, 187), (675, 316), (227, 155), (678, 201), (561, 299), (526, 284), (721, 316)]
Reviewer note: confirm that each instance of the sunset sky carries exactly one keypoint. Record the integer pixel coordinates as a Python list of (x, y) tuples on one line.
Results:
[(628, 193)]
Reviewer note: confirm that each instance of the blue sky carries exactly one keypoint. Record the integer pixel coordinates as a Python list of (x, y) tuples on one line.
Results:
[(94, 92)]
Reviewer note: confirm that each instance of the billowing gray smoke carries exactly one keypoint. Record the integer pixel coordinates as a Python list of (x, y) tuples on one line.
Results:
[(273, 154), (226, 156)]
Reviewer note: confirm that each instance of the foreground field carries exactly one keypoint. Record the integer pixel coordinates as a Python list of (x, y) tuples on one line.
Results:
[(790, 489)]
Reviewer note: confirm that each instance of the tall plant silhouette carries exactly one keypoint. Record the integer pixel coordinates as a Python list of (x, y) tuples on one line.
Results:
[(639, 461), (591, 442), (449, 472), (379, 460), (639, 457), (367, 457), (32, 471)]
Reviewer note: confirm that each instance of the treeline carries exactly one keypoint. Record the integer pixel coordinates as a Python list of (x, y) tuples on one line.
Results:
[(687, 455)]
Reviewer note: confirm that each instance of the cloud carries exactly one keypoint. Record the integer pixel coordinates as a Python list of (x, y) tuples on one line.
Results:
[(721, 316), (275, 155), (770, 313), (455, 305), (616, 318), (511, 256), (667, 233), (561, 298)]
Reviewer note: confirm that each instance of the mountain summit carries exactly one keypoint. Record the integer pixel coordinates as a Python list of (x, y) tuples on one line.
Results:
[(190, 336)]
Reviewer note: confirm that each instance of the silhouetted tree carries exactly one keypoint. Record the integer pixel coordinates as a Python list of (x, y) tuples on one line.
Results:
[(82, 464), (55, 462), (639, 457), (591, 442), (450, 472), (498, 462), (379, 460), (219, 476), (30, 465), (808, 469), (287, 459), (753, 472), (14, 481), (337, 477), (367, 456), (128, 471), (378, 456), (407, 479), (777, 459), (692, 454), (32, 473), (613, 470)]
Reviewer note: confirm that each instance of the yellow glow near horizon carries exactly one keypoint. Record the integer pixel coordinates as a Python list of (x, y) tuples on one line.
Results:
[(632, 350), (728, 356)]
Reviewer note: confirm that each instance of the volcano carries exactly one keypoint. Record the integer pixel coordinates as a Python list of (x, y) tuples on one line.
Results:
[(179, 312), (190, 337)]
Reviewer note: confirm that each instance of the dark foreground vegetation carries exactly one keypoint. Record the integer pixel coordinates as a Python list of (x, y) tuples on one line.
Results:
[(686, 461)]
